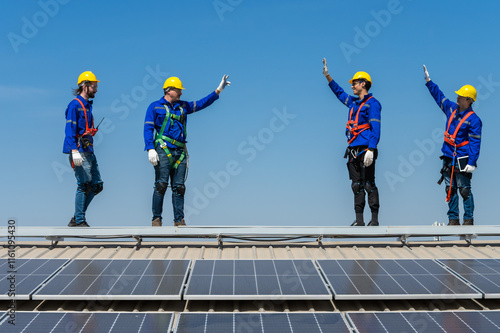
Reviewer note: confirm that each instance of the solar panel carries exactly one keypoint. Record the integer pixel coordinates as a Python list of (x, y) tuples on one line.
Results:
[(118, 322), (368, 279), (255, 322), (124, 279), (255, 280), (425, 321), (484, 274), (21, 277)]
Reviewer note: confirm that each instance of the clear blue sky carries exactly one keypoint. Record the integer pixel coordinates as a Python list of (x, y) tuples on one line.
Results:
[(270, 150)]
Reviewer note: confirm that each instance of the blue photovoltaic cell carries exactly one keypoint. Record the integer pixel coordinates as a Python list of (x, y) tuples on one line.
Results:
[(484, 274), (309, 322), (19, 278), (255, 280), (369, 279), (117, 279), (425, 321), (118, 322)]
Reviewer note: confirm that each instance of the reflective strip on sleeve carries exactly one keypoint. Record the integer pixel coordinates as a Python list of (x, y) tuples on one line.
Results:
[(442, 102), (149, 122), (475, 136), (194, 107), (345, 102), (374, 120), (71, 121)]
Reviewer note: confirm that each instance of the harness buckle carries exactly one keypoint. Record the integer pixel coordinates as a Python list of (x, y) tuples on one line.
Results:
[(163, 144)]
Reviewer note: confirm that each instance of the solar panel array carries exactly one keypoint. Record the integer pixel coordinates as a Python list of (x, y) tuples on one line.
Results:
[(431, 321), (118, 322), (21, 277), (484, 274), (117, 279), (393, 279), (363, 279), (255, 280), (267, 322)]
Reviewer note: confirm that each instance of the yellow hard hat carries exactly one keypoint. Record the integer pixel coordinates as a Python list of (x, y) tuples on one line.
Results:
[(87, 76), (467, 91), (173, 82), (361, 75)]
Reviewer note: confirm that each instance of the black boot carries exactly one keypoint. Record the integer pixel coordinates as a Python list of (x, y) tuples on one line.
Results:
[(359, 221), (374, 221), (468, 222), (454, 222)]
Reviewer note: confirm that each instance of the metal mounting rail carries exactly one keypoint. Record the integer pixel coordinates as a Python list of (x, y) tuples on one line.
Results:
[(263, 233)]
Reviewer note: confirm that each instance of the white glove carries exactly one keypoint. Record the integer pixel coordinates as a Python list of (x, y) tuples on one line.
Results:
[(469, 168), (224, 83), (153, 157), (368, 158), (426, 75), (77, 158), (325, 69)]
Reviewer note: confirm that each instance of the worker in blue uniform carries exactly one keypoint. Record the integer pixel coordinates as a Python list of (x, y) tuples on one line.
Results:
[(79, 144), (363, 135), (165, 139), (462, 142)]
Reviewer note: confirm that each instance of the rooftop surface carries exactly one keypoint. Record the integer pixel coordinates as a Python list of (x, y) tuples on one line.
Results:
[(360, 244)]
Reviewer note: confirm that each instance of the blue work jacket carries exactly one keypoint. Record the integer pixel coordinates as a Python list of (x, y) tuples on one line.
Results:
[(470, 129), (369, 114), (75, 125), (156, 114)]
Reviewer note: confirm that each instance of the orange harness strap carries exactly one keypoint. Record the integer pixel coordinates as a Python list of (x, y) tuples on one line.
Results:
[(450, 139), (87, 129), (352, 125)]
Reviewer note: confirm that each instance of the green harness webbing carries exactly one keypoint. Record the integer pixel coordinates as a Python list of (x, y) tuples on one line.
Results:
[(160, 138)]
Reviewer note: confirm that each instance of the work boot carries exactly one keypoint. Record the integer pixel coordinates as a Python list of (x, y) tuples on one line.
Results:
[(156, 222), (454, 222), (358, 224), (73, 223), (373, 223), (180, 223), (468, 222)]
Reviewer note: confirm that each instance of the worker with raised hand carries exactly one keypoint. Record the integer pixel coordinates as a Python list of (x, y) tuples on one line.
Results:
[(363, 135), (167, 147), (461, 146), (79, 144)]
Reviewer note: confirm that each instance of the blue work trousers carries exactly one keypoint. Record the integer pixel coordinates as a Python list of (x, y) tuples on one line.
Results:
[(89, 183), (164, 172), (461, 184)]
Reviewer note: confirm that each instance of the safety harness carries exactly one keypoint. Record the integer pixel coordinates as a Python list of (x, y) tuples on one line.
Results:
[(352, 125), (450, 139), (160, 138), (88, 131)]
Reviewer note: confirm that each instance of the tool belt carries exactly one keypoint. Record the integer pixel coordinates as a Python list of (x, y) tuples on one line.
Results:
[(446, 169), (352, 153)]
